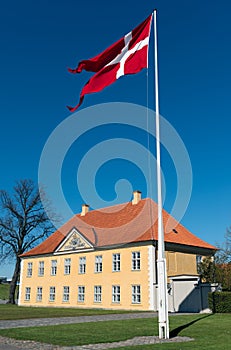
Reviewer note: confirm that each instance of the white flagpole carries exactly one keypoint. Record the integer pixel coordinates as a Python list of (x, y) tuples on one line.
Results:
[(161, 261)]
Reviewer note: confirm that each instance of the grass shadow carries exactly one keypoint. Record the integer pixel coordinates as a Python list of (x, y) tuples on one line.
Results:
[(177, 330)]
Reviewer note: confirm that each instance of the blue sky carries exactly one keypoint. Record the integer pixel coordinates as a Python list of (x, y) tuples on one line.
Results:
[(40, 40)]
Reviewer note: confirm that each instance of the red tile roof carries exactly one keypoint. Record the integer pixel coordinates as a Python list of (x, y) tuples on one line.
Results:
[(121, 224)]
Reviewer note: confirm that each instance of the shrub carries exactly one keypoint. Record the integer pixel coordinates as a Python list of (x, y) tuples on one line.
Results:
[(220, 302)]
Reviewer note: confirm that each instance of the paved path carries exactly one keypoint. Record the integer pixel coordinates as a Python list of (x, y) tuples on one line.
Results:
[(12, 344), (36, 322)]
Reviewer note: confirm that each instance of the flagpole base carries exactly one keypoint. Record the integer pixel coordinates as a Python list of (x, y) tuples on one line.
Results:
[(163, 331), (163, 299)]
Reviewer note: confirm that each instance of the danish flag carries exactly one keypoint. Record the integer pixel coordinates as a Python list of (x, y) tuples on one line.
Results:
[(127, 56)]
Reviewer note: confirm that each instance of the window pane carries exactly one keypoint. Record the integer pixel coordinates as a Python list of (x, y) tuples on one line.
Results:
[(53, 267), (29, 269), (135, 260), (27, 293), (115, 294), (97, 294), (66, 291), (81, 293), (82, 265), (39, 293), (116, 262), (136, 294), (41, 268), (52, 293), (98, 263), (67, 266)]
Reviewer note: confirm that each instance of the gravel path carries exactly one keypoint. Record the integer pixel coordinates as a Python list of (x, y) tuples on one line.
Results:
[(36, 322), (11, 344)]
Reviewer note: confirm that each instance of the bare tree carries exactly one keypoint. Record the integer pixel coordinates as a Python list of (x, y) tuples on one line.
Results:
[(223, 262), (23, 224), (224, 254)]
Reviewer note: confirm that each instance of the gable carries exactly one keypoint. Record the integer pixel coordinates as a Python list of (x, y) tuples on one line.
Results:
[(74, 242)]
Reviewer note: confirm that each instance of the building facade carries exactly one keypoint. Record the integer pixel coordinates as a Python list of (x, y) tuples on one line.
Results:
[(107, 259)]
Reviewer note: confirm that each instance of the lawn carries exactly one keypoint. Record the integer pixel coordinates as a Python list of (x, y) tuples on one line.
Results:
[(4, 291), (208, 332), (14, 312)]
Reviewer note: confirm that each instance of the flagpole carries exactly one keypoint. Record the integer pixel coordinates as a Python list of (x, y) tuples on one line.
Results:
[(161, 261)]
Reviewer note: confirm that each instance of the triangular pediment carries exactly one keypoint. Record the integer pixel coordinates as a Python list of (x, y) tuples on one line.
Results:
[(74, 242)]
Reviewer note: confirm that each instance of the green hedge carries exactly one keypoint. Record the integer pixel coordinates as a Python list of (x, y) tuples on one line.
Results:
[(220, 302)]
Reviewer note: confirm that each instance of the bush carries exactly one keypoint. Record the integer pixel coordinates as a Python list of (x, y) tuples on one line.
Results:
[(220, 302)]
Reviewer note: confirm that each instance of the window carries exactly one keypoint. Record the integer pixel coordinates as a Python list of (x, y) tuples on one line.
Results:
[(97, 294), (41, 268), (27, 293), (81, 294), (29, 269), (67, 266), (98, 263), (115, 294), (52, 294), (199, 260), (53, 267), (116, 262), (66, 293), (82, 264), (39, 293), (135, 260), (136, 295)]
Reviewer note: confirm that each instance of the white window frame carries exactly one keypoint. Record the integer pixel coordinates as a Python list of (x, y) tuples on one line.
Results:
[(97, 294), (53, 267), (136, 261), (39, 295), (82, 264), (116, 294), (27, 293), (66, 294), (52, 293), (81, 294), (136, 294), (98, 263), (41, 268), (116, 262), (67, 266), (29, 269)]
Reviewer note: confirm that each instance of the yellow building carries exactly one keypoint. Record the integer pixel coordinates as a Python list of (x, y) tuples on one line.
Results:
[(107, 259)]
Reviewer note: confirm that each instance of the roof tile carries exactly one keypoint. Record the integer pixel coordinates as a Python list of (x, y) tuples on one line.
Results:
[(121, 224)]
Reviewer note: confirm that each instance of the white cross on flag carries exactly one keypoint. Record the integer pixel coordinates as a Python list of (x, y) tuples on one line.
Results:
[(127, 56)]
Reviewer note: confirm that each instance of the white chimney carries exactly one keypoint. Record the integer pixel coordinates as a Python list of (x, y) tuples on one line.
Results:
[(136, 197), (85, 209)]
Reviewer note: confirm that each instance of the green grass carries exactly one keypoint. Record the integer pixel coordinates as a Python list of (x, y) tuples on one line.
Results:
[(208, 331), (14, 312), (4, 291)]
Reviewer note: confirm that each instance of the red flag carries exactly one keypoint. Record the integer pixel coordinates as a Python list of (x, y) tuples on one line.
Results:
[(127, 56)]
